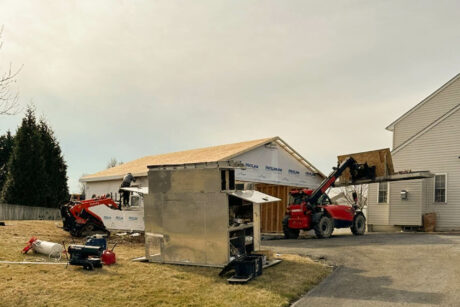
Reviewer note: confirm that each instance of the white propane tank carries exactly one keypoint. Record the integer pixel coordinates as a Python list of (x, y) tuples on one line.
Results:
[(53, 250)]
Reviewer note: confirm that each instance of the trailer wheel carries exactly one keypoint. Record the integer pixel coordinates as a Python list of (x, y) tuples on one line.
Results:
[(324, 227), (359, 225), (88, 266), (289, 233)]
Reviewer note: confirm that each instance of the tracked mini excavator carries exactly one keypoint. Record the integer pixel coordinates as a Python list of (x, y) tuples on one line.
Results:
[(103, 214), (79, 220)]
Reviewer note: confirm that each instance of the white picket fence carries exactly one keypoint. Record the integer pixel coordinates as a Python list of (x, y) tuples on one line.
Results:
[(17, 212)]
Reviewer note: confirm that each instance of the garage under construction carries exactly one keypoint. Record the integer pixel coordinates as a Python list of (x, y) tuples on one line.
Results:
[(270, 166)]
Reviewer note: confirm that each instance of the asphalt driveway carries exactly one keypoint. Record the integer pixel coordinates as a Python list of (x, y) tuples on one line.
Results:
[(382, 269)]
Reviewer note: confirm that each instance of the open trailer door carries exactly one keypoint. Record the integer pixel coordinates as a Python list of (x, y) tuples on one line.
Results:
[(256, 198)]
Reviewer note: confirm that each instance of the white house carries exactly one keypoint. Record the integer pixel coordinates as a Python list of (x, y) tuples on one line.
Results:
[(427, 137)]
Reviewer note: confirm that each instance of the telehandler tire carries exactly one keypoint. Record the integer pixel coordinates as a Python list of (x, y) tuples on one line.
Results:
[(324, 227), (289, 233), (358, 228)]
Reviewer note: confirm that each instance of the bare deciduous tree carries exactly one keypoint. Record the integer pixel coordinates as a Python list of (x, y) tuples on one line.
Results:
[(8, 98), (113, 162), (361, 192), (344, 195)]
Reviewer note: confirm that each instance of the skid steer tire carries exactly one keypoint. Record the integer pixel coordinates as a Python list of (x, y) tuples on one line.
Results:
[(324, 227), (358, 228), (289, 233)]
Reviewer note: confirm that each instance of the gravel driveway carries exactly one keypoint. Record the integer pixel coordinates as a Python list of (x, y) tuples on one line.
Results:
[(382, 269)]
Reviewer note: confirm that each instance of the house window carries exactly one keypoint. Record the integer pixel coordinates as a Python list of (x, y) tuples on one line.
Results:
[(383, 192), (440, 188)]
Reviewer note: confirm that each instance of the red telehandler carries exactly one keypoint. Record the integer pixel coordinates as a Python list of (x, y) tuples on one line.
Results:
[(310, 209)]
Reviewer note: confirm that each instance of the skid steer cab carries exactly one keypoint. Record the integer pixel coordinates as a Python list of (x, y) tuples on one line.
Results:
[(322, 216)]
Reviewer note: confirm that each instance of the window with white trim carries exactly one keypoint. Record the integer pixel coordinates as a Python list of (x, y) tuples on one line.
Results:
[(383, 192), (440, 187)]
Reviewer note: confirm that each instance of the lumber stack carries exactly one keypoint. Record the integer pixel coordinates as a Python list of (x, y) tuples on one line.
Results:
[(380, 158)]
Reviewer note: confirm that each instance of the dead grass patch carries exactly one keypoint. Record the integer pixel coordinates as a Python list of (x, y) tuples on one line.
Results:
[(138, 284)]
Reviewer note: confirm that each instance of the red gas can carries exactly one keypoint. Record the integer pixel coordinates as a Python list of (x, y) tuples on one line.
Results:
[(108, 257)]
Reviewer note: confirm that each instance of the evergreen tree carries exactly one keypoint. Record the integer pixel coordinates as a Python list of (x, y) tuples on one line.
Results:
[(57, 191), (26, 178), (6, 147)]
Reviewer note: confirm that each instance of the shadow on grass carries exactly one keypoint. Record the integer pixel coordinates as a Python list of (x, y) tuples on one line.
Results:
[(288, 280)]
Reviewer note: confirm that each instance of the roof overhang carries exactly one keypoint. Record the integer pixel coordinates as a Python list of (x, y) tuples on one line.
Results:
[(108, 178), (217, 164)]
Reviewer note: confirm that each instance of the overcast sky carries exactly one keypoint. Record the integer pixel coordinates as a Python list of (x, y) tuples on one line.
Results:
[(127, 79)]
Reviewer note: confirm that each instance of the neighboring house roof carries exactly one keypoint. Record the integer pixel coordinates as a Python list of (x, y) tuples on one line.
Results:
[(427, 128), (209, 154), (392, 125)]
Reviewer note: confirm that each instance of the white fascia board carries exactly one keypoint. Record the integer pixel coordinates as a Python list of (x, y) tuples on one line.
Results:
[(108, 178)]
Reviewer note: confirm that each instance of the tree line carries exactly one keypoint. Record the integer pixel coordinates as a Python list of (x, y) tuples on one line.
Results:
[(32, 168)]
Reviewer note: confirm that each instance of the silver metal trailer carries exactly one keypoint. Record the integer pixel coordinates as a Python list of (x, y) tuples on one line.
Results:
[(195, 215)]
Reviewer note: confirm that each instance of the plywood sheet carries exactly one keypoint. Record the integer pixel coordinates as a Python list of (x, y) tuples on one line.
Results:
[(209, 154), (380, 158), (272, 214)]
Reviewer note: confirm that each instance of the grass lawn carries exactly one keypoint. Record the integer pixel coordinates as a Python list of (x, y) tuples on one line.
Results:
[(130, 283)]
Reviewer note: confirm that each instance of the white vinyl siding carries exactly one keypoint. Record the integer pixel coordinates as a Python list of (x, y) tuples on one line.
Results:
[(377, 214), (440, 185), (438, 151), (427, 113), (433, 129), (406, 212)]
